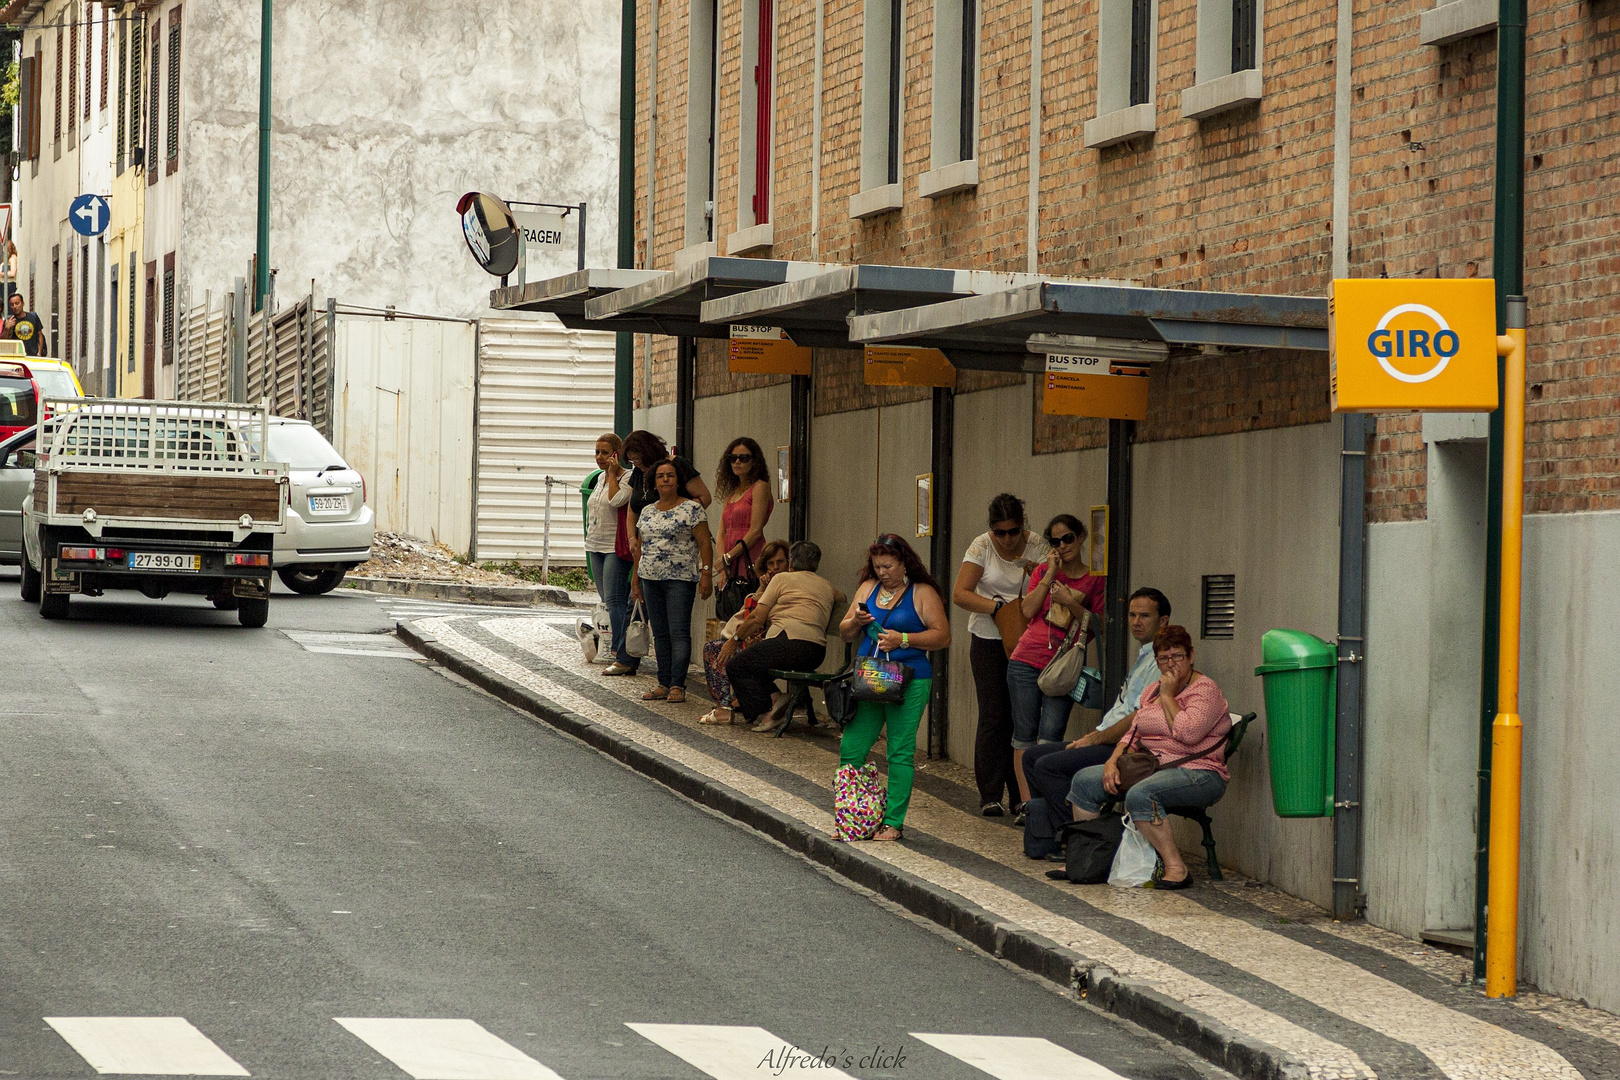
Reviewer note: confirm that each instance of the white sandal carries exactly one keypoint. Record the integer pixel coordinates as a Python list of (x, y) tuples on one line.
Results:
[(713, 717)]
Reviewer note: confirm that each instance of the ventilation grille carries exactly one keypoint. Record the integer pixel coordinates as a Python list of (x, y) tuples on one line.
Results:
[(1219, 618)]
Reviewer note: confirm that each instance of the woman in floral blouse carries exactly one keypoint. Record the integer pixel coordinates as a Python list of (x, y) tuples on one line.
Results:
[(674, 557)]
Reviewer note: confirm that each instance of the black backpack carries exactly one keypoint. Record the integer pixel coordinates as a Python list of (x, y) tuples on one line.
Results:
[(1089, 847)]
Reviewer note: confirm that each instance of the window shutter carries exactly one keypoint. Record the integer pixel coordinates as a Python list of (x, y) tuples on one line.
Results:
[(1219, 614), (173, 143), (28, 107)]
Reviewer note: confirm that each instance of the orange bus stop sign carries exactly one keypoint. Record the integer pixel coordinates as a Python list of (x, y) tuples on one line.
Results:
[(1412, 344)]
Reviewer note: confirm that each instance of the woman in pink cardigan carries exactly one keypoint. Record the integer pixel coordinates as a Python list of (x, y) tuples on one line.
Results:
[(1183, 715)]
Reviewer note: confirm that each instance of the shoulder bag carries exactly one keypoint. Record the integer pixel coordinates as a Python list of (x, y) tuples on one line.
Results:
[(1062, 675), (1136, 765), (638, 635), (1010, 619), (740, 584), (1089, 848), (881, 680)]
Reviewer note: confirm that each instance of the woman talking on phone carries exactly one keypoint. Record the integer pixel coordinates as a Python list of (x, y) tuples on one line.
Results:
[(898, 615)]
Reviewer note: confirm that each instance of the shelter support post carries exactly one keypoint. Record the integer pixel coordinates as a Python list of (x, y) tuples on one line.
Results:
[(624, 353), (685, 370), (1116, 662), (799, 460), (943, 465), (1352, 650)]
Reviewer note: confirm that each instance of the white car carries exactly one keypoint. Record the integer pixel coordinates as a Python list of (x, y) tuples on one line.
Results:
[(329, 526)]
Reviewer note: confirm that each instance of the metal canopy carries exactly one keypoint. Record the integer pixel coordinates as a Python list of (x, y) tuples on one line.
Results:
[(1003, 322), (671, 303), (565, 296)]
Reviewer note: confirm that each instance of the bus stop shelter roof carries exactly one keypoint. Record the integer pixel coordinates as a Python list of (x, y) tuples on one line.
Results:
[(1003, 322), (565, 296), (672, 301)]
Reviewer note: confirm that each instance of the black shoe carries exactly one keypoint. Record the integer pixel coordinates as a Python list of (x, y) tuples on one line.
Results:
[(993, 809), (1184, 883), (1058, 875), (1018, 813)]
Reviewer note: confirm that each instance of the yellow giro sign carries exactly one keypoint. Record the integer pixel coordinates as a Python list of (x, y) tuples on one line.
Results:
[(1412, 345)]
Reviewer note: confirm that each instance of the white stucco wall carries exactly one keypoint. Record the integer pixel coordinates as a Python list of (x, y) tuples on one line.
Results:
[(384, 113)]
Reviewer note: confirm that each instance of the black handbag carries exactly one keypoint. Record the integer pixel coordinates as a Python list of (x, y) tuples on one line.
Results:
[(1089, 847), (838, 695), (739, 586)]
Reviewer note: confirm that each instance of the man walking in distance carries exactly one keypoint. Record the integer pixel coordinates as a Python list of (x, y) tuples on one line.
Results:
[(24, 326)]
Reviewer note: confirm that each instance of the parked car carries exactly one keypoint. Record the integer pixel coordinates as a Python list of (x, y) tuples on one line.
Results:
[(16, 474), (329, 526), (24, 382)]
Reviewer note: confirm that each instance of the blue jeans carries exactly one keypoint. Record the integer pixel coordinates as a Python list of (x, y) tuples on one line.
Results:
[(669, 610), (1149, 798), (1035, 717), (612, 577)]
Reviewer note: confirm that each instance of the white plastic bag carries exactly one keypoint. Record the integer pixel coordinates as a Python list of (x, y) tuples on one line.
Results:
[(589, 641), (1135, 860)]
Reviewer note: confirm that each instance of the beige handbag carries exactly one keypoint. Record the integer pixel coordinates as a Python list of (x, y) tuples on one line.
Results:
[(1062, 675)]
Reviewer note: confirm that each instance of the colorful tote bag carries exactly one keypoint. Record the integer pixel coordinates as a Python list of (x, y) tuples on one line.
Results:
[(859, 802)]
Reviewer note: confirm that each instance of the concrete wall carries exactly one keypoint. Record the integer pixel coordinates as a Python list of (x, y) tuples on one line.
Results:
[(384, 113), (1264, 507)]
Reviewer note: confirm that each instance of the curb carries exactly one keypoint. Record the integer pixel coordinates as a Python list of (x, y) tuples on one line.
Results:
[(516, 595), (1129, 999)]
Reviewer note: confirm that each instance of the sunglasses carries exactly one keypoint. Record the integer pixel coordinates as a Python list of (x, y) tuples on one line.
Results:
[(1066, 538), (1007, 534), (740, 459)]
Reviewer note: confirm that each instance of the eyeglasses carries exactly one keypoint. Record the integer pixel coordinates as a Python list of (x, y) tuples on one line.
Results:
[(740, 459), (1170, 658), (1066, 538), (1008, 534)]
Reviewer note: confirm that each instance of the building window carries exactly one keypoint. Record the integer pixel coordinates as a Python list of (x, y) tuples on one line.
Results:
[(883, 61), (702, 99), (84, 302), (153, 104), (113, 294), (68, 312), (956, 81), (28, 105), (89, 62), (106, 58), (149, 345), (1218, 611), (56, 298), (123, 97), (72, 74), (1231, 43), (134, 341), (172, 152), (168, 309), (56, 138), (1127, 63), (755, 123), (97, 358)]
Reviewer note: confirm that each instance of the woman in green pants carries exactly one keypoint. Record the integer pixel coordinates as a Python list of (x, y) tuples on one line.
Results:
[(899, 615)]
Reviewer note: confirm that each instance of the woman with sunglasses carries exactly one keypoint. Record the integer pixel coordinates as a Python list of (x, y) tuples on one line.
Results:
[(993, 574), (899, 615), (1064, 581), (1183, 720), (743, 485)]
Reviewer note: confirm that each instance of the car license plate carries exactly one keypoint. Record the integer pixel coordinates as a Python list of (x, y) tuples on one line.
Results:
[(340, 503), (162, 560)]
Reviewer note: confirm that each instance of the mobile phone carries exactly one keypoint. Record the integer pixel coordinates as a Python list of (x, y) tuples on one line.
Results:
[(862, 605)]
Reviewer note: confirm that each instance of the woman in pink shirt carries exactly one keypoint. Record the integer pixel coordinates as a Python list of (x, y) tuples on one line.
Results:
[(743, 484), (1182, 716)]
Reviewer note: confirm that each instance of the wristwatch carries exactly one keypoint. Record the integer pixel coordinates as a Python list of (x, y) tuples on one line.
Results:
[(997, 610), (905, 641)]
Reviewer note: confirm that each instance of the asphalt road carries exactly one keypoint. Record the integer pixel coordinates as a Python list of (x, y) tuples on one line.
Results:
[(204, 822)]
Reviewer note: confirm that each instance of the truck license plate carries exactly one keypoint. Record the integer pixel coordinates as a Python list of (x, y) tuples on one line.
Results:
[(340, 503), (162, 560)]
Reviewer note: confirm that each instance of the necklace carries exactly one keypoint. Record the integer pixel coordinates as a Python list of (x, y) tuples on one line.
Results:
[(885, 596)]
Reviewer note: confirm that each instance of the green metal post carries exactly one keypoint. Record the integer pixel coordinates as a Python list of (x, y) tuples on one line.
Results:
[(1508, 269), (261, 278), (624, 348)]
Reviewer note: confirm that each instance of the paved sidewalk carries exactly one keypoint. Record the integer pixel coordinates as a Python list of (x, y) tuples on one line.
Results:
[(1256, 981)]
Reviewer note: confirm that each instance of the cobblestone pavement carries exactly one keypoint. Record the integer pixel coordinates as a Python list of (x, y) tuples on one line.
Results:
[(1337, 999)]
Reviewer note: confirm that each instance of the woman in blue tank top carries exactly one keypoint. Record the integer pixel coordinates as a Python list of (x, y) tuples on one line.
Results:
[(898, 614)]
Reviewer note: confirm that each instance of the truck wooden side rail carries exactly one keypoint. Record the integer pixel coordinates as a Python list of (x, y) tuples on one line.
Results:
[(160, 496)]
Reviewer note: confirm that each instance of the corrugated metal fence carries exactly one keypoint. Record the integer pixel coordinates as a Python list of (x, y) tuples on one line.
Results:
[(287, 357)]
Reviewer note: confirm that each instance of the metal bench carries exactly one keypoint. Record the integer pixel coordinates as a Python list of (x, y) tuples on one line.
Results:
[(799, 685), (1240, 725)]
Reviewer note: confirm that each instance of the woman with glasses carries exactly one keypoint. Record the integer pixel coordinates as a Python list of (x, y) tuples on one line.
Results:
[(1182, 716), (743, 485), (993, 574), (898, 614), (1061, 590)]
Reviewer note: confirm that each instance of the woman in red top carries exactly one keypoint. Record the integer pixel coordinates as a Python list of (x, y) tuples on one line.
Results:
[(743, 484), (1183, 715), (1066, 582)]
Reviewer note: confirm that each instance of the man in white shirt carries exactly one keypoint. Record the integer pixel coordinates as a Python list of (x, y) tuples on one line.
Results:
[(1050, 767)]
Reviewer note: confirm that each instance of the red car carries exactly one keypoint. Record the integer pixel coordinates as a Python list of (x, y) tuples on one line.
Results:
[(23, 384)]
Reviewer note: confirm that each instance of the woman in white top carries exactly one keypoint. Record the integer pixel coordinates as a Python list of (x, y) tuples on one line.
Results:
[(995, 570), (606, 494)]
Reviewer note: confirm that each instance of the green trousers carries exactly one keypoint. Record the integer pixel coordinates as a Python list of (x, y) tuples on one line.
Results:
[(901, 720)]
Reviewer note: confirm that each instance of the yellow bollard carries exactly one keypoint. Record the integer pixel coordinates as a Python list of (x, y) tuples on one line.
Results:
[(1507, 732)]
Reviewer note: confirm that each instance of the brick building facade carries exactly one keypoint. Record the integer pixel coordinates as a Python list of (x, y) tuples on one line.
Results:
[(1181, 169)]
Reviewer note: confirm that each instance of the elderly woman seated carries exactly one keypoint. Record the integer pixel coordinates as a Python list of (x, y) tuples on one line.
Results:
[(1182, 721)]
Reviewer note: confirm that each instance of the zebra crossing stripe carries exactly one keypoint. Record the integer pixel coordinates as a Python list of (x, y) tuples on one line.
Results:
[(445, 1049), (1010, 1057), (144, 1046), (734, 1053)]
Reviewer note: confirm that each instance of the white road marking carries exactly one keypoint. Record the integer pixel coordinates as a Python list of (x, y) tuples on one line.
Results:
[(445, 1049), (1009, 1057), (733, 1053), (144, 1046), (351, 644)]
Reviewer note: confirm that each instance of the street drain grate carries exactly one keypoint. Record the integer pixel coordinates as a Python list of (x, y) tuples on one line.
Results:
[(351, 644)]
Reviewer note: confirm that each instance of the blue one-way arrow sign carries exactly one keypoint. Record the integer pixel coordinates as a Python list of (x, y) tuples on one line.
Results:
[(89, 215)]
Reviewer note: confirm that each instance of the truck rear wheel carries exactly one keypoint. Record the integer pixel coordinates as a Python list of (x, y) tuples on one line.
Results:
[(30, 581), (53, 605), (252, 611)]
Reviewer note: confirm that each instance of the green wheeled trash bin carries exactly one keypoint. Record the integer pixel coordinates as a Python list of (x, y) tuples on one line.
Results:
[(1300, 676)]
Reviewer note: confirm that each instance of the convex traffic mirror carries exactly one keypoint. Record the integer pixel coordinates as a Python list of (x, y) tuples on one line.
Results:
[(491, 233)]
